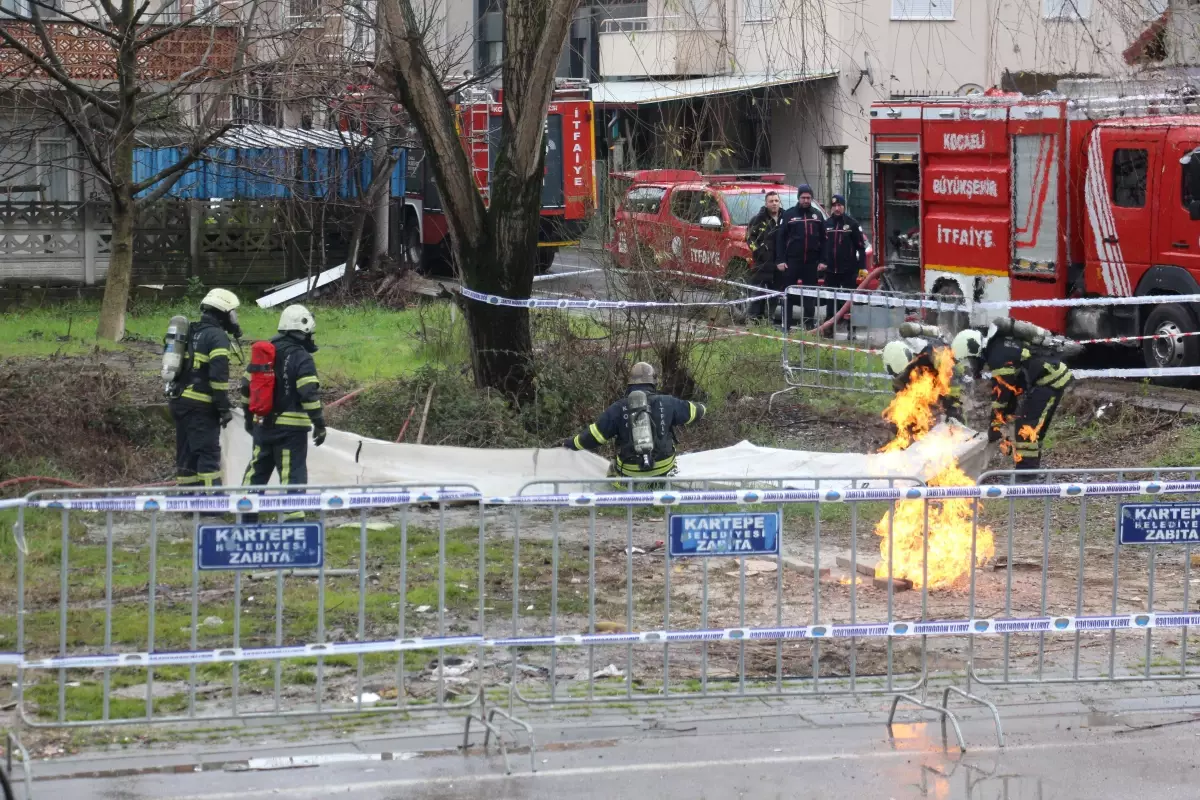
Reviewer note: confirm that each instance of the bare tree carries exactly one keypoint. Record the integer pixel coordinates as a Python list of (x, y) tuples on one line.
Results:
[(149, 68), (493, 246)]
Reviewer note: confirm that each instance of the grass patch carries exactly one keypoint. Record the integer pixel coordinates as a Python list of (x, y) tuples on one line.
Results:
[(359, 345)]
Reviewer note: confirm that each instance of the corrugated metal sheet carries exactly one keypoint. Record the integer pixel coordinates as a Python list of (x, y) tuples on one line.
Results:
[(257, 162)]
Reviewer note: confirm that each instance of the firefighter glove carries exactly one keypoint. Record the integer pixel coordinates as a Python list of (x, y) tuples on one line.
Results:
[(994, 435), (226, 417), (318, 435)]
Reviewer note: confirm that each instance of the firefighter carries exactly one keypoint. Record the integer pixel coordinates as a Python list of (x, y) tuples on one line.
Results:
[(1028, 382), (845, 250), (799, 250), (281, 438), (200, 406), (642, 426), (923, 348), (760, 237)]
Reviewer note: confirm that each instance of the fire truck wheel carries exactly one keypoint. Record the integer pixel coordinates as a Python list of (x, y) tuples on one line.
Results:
[(738, 270), (1171, 348), (412, 250), (545, 259), (951, 322)]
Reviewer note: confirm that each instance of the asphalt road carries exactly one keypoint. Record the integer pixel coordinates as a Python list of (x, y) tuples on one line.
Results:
[(1054, 751)]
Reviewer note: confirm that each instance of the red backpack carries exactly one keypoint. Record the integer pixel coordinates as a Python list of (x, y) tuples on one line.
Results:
[(262, 378)]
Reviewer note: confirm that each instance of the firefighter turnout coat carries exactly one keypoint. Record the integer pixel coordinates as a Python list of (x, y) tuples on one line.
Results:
[(614, 425), (1028, 382)]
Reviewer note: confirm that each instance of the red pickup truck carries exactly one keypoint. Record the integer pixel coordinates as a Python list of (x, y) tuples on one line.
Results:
[(683, 220)]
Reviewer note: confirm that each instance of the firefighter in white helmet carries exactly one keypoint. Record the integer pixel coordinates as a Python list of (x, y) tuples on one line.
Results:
[(1029, 378), (922, 348), (199, 399), (281, 435)]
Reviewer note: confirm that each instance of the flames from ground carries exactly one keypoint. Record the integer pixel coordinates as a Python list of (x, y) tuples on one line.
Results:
[(915, 411)]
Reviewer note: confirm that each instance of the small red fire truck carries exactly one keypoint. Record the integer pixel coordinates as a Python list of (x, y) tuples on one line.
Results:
[(1007, 197)]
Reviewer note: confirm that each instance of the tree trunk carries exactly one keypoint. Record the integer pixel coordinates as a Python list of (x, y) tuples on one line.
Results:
[(501, 341), (120, 265)]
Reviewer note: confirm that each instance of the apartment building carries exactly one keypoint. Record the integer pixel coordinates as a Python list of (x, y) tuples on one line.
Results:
[(786, 85)]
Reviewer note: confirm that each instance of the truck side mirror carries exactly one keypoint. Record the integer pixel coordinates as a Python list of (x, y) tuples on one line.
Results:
[(711, 222)]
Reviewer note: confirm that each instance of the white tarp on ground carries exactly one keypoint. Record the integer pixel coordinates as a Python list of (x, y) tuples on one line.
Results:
[(347, 459), (921, 460)]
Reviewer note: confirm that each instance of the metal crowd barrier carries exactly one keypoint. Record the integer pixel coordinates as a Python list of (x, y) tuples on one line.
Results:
[(438, 598), (848, 360), (1095, 610), (679, 626), (121, 625)]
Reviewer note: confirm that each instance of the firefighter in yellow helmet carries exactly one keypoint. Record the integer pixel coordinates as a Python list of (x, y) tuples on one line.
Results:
[(199, 399)]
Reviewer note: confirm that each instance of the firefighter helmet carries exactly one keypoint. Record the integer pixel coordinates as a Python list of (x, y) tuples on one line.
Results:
[(897, 356), (967, 344), (642, 373), (220, 300), (297, 318)]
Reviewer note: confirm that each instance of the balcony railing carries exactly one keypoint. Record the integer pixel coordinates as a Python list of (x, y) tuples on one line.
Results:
[(86, 55)]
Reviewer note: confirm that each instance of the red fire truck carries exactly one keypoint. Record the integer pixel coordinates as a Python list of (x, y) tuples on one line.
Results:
[(569, 187), (1007, 197)]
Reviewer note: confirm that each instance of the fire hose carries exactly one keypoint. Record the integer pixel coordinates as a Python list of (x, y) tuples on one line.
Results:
[(845, 309)]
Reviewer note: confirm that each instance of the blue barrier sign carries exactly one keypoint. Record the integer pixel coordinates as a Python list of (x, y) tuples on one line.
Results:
[(260, 546), (1159, 523), (731, 534)]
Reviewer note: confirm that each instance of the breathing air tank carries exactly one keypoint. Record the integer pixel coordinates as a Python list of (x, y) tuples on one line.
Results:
[(913, 330), (175, 345), (643, 434)]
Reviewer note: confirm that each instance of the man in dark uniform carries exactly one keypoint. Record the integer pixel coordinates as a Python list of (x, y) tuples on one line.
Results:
[(760, 237), (799, 250), (200, 403), (642, 426), (1028, 382), (845, 251), (281, 438)]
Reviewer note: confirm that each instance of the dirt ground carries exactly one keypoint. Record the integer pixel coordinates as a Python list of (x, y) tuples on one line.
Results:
[(573, 577)]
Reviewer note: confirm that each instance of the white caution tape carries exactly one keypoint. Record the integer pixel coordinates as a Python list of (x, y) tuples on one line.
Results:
[(804, 342), (565, 304), (1128, 339), (1137, 372), (968, 305), (338, 501), (938, 628), (550, 276)]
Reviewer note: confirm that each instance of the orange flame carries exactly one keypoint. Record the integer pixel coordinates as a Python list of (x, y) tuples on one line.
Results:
[(903, 543), (913, 410)]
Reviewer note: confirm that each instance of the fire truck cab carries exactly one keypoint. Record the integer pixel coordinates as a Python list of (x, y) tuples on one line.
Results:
[(1005, 197)]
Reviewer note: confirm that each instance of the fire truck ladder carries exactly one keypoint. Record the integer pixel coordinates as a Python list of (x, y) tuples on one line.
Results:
[(479, 146)]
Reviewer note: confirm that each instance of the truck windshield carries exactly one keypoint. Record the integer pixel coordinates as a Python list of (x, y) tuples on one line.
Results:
[(743, 205)]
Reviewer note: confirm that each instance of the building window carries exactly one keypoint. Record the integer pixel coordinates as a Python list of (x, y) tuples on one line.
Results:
[(494, 55), (14, 8), (55, 171), (760, 10), (833, 174), (1129, 168), (1066, 9), (302, 9), (922, 9)]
